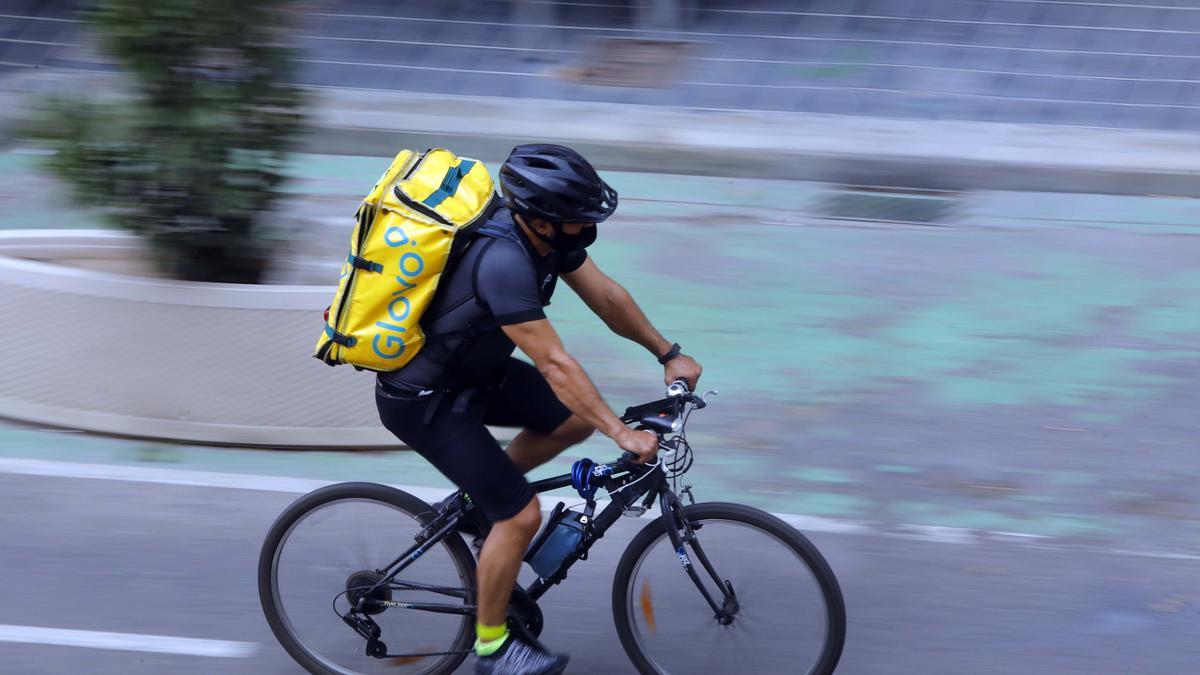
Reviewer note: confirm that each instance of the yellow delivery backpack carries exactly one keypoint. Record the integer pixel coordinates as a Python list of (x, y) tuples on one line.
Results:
[(417, 217)]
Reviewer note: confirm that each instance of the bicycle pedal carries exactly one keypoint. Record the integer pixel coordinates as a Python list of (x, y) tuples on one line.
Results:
[(634, 511)]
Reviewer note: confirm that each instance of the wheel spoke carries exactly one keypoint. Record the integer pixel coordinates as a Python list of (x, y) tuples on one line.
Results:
[(338, 546), (788, 617)]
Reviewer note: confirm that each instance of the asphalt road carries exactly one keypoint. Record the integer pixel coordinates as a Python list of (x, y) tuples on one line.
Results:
[(990, 426), (140, 558)]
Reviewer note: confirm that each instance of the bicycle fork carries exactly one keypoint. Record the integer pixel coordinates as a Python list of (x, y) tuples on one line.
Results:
[(682, 537)]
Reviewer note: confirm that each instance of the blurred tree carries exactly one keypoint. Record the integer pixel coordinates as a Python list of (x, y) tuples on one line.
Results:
[(194, 160)]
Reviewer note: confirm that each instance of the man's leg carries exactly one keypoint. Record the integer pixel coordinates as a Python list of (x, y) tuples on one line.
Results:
[(525, 400), (531, 449), (500, 562), (461, 448), (500, 559)]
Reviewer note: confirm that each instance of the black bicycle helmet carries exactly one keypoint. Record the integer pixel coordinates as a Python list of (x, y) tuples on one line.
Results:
[(556, 184)]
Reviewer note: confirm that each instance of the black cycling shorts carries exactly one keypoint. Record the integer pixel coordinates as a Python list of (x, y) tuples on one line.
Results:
[(452, 434)]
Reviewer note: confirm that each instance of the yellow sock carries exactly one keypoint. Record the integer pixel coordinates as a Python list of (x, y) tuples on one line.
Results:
[(489, 639)]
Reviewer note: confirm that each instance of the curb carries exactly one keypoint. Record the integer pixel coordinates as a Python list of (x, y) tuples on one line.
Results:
[(923, 173), (183, 361), (222, 364), (922, 154)]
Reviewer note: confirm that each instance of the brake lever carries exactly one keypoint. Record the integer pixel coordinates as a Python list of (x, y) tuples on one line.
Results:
[(701, 397), (667, 449)]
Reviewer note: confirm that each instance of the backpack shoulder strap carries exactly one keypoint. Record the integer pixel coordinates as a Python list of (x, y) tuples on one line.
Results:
[(498, 230), (489, 231), (499, 224)]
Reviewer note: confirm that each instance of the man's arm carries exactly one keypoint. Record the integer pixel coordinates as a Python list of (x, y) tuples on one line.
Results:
[(617, 308), (571, 385)]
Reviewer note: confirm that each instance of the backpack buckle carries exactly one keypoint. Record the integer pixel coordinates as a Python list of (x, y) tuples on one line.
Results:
[(359, 263)]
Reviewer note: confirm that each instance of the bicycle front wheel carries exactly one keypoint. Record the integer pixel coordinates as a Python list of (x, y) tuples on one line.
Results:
[(780, 611), (334, 543)]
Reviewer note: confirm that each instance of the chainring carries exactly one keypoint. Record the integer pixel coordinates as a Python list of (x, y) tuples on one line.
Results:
[(526, 612)]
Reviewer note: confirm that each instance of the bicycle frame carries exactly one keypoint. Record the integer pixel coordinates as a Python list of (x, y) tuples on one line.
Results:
[(626, 484), (647, 490), (656, 489), (444, 524), (624, 495)]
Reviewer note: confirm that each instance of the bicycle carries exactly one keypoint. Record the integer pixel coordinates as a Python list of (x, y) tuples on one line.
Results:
[(698, 619)]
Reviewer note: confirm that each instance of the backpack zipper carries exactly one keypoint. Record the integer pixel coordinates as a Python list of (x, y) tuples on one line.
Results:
[(364, 226), (413, 169), (421, 208)]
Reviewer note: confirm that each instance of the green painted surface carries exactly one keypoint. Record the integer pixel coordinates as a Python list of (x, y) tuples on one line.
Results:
[(32, 199), (1001, 338), (1044, 524), (819, 475), (1028, 368)]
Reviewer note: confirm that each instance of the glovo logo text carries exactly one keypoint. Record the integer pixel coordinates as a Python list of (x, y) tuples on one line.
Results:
[(389, 344)]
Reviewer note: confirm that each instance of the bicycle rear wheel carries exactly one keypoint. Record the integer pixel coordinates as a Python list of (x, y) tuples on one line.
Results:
[(787, 614), (334, 540)]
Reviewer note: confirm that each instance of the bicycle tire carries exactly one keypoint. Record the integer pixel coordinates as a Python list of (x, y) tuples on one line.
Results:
[(622, 594), (359, 491)]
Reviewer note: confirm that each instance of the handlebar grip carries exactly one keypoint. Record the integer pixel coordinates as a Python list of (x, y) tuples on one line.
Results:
[(678, 388)]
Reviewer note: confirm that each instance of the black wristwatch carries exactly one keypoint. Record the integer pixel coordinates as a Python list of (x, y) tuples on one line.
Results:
[(674, 351)]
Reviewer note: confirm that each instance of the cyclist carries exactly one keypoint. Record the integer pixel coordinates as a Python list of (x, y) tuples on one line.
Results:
[(489, 302)]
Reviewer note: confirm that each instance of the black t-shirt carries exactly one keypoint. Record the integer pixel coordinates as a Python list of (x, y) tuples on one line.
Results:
[(495, 282)]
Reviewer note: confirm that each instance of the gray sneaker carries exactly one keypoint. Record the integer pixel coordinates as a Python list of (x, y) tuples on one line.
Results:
[(521, 658)]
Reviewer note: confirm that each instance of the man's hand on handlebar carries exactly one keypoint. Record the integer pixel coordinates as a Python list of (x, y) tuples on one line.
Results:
[(644, 444), (683, 367)]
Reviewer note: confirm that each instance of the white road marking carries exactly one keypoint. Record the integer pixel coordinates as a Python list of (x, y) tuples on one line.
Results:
[(144, 474), (1019, 535), (819, 524), (131, 642), (938, 533), (1168, 555), (237, 481), (214, 479)]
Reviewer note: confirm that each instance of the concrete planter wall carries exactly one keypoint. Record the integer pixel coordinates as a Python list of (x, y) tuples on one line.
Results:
[(92, 349)]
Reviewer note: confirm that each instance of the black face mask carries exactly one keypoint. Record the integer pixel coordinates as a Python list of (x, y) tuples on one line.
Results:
[(566, 243)]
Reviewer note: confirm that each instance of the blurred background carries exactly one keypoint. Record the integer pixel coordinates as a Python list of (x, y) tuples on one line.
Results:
[(941, 258), (1108, 64)]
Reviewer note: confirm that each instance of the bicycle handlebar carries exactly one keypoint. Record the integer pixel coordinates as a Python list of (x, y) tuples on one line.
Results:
[(664, 416)]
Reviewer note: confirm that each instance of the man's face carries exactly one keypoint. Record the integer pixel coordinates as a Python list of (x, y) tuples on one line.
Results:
[(568, 236), (547, 230), (576, 228)]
